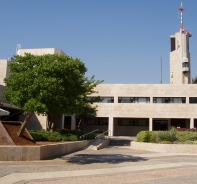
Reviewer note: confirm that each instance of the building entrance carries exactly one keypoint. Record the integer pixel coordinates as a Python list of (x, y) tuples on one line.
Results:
[(160, 124)]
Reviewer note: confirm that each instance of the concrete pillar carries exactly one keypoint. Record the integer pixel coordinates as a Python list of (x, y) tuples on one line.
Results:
[(111, 126), (191, 122), (73, 122), (150, 124), (151, 99)]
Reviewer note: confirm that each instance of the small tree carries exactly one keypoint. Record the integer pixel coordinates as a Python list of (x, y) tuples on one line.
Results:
[(88, 111), (49, 84), (194, 80)]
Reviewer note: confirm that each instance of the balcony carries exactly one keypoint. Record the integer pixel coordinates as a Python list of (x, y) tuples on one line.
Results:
[(185, 69)]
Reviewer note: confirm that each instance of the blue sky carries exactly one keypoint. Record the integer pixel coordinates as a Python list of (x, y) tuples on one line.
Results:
[(120, 41)]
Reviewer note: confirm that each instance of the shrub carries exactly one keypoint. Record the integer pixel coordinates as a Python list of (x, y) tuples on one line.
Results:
[(147, 136), (143, 136), (54, 136), (167, 137), (186, 136), (170, 135)]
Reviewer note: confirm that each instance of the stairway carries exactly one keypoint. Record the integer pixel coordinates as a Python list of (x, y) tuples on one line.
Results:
[(119, 142)]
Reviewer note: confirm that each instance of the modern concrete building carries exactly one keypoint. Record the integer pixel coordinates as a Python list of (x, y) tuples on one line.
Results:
[(126, 109), (180, 71)]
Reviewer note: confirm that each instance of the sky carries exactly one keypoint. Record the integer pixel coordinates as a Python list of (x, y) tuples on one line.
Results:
[(120, 41)]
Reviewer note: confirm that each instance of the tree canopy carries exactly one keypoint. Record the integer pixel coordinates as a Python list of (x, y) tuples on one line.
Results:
[(49, 84)]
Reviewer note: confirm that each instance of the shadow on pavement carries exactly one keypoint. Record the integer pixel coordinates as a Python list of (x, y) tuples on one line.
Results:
[(102, 158)]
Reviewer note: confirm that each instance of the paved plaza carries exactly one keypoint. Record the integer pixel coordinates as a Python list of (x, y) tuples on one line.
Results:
[(110, 165)]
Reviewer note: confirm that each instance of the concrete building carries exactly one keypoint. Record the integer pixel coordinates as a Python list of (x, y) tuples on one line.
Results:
[(126, 109), (180, 71)]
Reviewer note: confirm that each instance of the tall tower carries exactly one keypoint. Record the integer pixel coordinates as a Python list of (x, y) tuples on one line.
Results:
[(179, 55)]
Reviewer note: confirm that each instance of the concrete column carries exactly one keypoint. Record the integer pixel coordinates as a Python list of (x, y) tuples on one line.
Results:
[(73, 122), (191, 122), (150, 124), (151, 99), (111, 126)]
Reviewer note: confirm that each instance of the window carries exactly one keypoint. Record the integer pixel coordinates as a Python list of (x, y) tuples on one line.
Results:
[(107, 100), (193, 100), (172, 44), (98, 121), (147, 100), (185, 64), (183, 100), (133, 99), (133, 122), (169, 100)]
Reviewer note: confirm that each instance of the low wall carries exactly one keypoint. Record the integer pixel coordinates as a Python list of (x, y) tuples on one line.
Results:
[(165, 148), (18, 153)]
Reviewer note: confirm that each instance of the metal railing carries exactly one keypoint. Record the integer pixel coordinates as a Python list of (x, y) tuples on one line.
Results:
[(88, 135), (102, 135)]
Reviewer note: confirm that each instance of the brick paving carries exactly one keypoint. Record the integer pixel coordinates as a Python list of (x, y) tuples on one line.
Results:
[(109, 165)]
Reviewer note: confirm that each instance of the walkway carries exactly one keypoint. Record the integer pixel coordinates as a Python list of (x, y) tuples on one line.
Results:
[(110, 165)]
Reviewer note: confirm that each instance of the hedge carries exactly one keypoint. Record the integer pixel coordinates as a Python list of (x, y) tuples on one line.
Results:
[(166, 137)]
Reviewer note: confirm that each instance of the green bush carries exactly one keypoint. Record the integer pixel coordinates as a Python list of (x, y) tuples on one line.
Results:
[(143, 136), (147, 136), (168, 137), (54, 136), (186, 136)]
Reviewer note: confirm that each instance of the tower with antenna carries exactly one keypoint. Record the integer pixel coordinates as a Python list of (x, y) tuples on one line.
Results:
[(180, 72)]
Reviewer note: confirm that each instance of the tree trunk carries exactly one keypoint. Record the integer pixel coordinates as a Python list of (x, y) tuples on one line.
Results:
[(51, 123), (24, 124), (79, 124)]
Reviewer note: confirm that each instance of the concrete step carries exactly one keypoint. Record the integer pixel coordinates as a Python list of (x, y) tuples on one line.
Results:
[(119, 142)]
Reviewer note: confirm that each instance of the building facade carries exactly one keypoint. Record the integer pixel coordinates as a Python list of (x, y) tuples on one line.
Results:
[(126, 109)]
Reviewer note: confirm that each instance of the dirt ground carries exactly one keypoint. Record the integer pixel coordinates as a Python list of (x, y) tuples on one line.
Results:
[(12, 129)]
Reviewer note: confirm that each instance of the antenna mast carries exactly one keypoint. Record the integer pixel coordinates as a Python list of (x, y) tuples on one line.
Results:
[(181, 9), (161, 70)]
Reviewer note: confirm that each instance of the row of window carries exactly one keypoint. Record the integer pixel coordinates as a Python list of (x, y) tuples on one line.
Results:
[(133, 122), (147, 100), (98, 121)]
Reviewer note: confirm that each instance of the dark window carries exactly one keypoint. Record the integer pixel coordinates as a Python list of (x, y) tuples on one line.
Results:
[(107, 100), (193, 100), (169, 100), (172, 44), (133, 99), (98, 121), (147, 100), (133, 122), (185, 64), (183, 100)]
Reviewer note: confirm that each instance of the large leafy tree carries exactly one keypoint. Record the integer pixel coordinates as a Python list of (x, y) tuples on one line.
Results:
[(48, 84)]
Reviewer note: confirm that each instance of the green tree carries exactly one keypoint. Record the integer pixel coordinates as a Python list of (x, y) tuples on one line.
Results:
[(48, 84), (194, 80), (88, 111)]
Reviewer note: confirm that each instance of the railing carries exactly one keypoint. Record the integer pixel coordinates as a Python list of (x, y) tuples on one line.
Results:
[(88, 135), (102, 135)]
